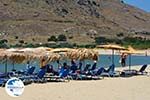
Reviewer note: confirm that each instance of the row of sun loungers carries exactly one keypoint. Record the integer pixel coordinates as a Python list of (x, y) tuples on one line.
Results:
[(65, 75)]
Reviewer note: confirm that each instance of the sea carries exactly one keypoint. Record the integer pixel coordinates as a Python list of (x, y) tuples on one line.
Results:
[(104, 61)]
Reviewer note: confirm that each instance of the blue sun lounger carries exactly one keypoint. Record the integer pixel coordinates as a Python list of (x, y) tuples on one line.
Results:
[(3, 81), (141, 71), (39, 77), (29, 71), (63, 75), (110, 72)]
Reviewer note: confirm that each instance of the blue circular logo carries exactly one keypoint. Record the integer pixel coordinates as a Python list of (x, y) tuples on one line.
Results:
[(14, 87)]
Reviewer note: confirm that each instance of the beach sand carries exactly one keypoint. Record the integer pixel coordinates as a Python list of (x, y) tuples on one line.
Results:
[(127, 88), (117, 52)]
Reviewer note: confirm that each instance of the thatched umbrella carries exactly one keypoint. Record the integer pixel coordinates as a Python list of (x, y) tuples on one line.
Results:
[(131, 51), (31, 53), (12, 54), (48, 57), (82, 54), (3, 56), (21, 55), (27, 50), (59, 50), (40, 53), (15, 56), (40, 49), (53, 57), (113, 47), (12, 50)]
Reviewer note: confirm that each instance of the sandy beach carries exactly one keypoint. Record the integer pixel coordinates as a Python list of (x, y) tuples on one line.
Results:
[(117, 52), (121, 88)]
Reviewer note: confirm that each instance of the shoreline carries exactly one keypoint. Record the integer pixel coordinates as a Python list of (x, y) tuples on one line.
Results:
[(109, 52)]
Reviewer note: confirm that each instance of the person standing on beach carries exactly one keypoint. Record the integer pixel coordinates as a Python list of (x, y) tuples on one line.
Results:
[(146, 53), (123, 59), (43, 63)]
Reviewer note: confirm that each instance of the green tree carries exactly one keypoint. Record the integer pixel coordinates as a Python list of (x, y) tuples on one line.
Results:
[(16, 37), (21, 41), (3, 41), (62, 37), (52, 38), (100, 40), (120, 35)]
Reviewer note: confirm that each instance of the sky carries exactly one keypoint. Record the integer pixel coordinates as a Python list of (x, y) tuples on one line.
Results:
[(142, 4)]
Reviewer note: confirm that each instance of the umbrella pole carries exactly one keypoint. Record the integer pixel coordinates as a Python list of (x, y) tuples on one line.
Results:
[(6, 65), (83, 64), (13, 66), (130, 62), (113, 56)]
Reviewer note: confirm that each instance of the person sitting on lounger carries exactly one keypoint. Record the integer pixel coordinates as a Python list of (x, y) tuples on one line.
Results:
[(28, 65), (80, 65), (86, 70), (79, 69), (50, 69), (87, 67), (94, 66), (65, 66), (73, 67), (63, 69)]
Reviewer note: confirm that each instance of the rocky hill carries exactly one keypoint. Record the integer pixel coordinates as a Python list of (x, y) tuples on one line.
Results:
[(80, 20)]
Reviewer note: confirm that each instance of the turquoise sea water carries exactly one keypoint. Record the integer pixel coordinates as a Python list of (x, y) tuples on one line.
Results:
[(104, 61)]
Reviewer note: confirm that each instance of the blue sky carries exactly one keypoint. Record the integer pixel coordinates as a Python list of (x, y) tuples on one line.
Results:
[(142, 4)]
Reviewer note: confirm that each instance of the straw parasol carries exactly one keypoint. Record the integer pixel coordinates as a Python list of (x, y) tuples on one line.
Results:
[(113, 47), (58, 50), (53, 57), (82, 54), (27, 50), (41, 53), (12, 49), (3, 56), (16, 57), (131, 51), (13, 55), (21, 55), (43, 49)]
